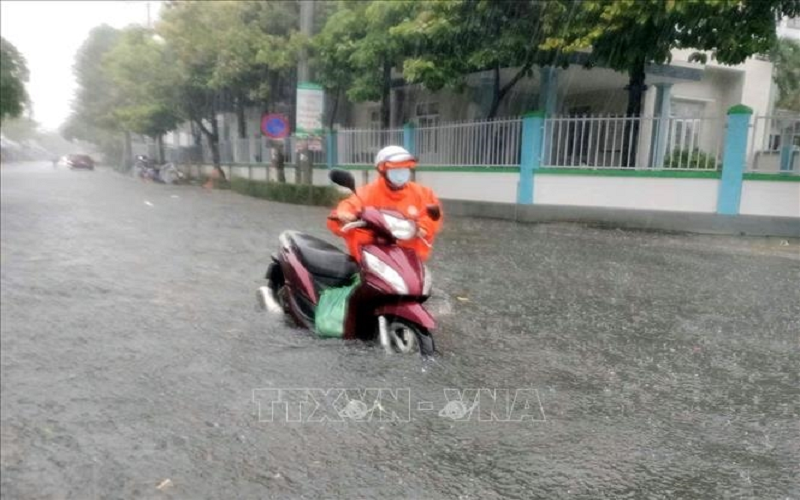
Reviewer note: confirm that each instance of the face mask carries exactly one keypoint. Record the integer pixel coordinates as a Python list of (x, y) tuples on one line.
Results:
[(398, 177)]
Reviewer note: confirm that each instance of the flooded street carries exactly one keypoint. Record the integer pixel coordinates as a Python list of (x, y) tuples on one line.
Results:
[(653, 365)]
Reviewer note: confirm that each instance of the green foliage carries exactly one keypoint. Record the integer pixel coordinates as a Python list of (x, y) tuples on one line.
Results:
[(355, 51), (696, 159), (20, 129), (144, 75), (325, 196), (451, 39), (96, 99), (786, 58), (13, 76), (228, 55), (626, 35)]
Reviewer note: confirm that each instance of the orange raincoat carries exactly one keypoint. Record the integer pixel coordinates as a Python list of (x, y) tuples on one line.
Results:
[(411, 200)]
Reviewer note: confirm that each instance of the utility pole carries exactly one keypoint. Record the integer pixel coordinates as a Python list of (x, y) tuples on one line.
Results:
[(304, 171)]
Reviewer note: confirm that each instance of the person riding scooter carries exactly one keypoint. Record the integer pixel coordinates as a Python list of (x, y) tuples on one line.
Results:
[(394, 190)]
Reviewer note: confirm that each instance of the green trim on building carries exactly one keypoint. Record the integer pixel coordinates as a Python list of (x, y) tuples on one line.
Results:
[(623, 172), (534, 114), (500, 169), (309, 86), (254, 165), (740, 109), (776, 177)]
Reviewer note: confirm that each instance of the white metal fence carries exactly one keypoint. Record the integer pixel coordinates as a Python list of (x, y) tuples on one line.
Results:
[(485, 143), (775, 144), (590, 142), (594, 142), (255, 150), (359, 146)]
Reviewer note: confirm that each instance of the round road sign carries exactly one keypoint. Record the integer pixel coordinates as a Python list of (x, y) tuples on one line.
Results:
[(274, 126)]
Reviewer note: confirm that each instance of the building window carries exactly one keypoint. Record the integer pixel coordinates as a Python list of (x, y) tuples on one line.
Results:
[(793, 23), (685, 130), (427, 118), (375, 118)]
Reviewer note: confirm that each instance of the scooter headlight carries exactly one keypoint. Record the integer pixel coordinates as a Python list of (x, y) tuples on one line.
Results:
[(386, 273), (402, 229)]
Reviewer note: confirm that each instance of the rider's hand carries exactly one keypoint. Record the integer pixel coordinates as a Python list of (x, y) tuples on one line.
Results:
[(345, 217), (421, 232)]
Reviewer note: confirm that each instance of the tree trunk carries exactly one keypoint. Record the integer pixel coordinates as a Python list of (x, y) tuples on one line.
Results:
[(241, 122), (636, 89), (160, 149), (278, 162), (127, 160), (499, 93), (386, 112), (212, 136), (332, 117), (496, 97)]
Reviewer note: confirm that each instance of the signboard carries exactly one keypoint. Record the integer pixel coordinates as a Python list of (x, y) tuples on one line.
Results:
[(311, 143), (310, 107), (274, 126)]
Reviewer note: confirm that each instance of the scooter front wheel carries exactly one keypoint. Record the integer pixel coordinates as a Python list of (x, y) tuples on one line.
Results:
[(404, 337)]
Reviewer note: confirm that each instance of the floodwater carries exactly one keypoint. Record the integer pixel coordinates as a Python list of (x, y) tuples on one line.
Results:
[(134, 363)]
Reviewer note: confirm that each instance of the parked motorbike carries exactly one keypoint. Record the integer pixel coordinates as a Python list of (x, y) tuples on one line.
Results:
[(385, 305), (165, 174), (169, 174), (144, 168)]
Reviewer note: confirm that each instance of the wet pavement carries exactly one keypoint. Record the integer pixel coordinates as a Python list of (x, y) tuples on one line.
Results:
[(134, 363)]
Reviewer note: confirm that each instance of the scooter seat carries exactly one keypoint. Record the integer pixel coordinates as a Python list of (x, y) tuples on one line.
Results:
[(321, 258)]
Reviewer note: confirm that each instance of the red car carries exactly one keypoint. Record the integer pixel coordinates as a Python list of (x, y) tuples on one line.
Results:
[(84, 162)]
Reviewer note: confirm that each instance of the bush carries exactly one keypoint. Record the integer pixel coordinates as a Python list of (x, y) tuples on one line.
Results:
[(685, 158), (298, 194)]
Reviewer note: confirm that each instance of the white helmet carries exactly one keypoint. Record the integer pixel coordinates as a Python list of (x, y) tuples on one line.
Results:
[(393, 154)]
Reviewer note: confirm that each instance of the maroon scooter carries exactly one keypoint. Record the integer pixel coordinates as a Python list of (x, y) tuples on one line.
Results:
[(387, 303)]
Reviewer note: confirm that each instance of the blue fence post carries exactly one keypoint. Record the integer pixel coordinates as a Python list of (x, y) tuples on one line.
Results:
[(733, 160), (531, 155), (331, 152), (787, 150)]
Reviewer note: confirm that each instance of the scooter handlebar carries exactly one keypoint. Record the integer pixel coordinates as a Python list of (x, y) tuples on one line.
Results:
[(353, 225)]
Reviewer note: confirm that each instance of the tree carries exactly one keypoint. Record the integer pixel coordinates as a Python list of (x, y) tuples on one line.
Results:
[(786, 58), (629, 35), (356, 50), (189, 30), (257, 61), (13, 77), (228, 55), (446, 41), (333, 49), (144, 75), (96, 99)]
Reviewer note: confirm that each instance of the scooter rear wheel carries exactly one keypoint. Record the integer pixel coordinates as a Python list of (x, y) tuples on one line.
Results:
[(408, 338)]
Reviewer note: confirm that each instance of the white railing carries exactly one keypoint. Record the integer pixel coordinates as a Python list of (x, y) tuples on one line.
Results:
[(359, 146), (775, 144), (594, 142), (483, 144)]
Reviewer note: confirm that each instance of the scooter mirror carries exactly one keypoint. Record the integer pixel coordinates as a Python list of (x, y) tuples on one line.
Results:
[(343, 178), (434, 211)]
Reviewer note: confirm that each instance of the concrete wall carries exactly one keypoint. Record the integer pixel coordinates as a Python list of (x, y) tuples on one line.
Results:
[(499, 187), (771, 198), (649, 193), (659, 194)]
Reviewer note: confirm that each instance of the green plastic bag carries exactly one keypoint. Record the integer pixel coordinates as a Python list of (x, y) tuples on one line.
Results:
[(329, 316)]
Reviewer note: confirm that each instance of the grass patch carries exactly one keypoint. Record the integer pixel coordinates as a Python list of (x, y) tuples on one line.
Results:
[(322, 196)]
